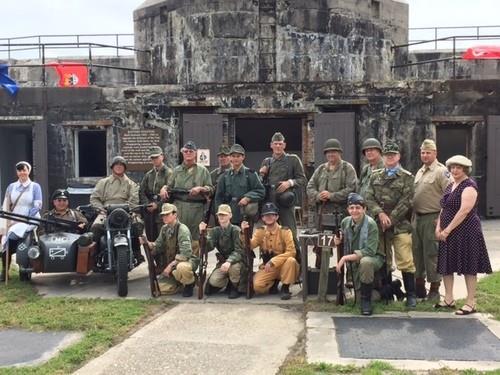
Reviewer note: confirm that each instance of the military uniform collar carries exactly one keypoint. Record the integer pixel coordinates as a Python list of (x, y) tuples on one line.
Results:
[(53, 211), (280, 157), (185, 167), (162, 168), (119, 178), (432, 166), (237, 171), (275, 230)]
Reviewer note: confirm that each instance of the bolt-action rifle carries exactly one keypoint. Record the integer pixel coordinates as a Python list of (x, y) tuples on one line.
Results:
[(202, 268), (340, 299), (152, 270), (250, 257)]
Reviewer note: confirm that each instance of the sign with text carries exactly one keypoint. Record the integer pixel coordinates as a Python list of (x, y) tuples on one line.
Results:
[(135, 146), (204, 157)]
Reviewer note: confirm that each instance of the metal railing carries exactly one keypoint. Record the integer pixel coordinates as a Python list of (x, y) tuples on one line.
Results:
[(117, 41), (437, 35)]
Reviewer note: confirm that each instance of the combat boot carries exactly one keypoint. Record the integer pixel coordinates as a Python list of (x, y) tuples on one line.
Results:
[(420, 287), (434, 292), (188, 290), (409, 282), (210, 289), (285, 292), (274, 288), (366, 299), (234, 292)]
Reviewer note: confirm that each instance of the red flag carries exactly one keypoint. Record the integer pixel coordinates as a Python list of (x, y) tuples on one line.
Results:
[(482, 53), (72, 74)]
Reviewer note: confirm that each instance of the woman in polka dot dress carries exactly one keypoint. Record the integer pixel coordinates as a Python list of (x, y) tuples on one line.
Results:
[(462, 249)]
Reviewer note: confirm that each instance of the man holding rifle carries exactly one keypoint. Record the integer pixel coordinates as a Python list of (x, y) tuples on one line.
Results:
[(359, 234), (230, 258)]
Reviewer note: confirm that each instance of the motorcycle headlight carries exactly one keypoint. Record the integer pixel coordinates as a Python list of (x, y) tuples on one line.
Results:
[(34, 252), (118, 218)]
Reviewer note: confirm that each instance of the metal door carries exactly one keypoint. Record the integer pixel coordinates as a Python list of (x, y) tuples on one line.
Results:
[(338, 125), (205, 130), (493, 167)]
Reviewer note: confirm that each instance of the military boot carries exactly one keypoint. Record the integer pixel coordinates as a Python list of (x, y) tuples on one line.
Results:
[(234, 292), (434, 292), (366, 299), (274, 288), (188, 290), (409, 282), (210, 289), (420, 287), (285, 292)]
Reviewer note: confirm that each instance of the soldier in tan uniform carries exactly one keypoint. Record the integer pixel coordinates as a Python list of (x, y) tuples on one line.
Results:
[(61, 210), (277, 251), (430, 182)]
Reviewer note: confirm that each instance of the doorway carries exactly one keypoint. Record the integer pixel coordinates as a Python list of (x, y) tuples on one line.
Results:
[(453, 139)]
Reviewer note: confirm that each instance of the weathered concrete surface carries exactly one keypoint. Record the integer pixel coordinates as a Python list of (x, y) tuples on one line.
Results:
[(24, 348), (206, 339)]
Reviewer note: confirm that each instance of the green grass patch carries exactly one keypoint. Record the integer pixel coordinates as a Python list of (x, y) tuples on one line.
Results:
[(488, 295), (103, 323)]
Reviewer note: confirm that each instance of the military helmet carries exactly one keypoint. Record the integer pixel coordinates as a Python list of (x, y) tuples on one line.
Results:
[(371, 143), (332, 144), (269, 208), (60, 194), (286, 199), (118, 160)]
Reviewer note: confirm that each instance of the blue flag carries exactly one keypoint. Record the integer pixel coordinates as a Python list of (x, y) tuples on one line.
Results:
[(6, 82)]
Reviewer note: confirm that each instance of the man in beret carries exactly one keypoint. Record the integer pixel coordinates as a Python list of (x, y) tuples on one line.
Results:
[(149, 191), (195, 179), (389, 200), (283, 174), (431, 181), (173, 253), (361, 251), (239, 187), (61, 210)]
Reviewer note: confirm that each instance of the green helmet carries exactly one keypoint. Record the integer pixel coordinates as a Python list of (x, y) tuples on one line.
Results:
[(371, 143), (118, 160), (332, 144)]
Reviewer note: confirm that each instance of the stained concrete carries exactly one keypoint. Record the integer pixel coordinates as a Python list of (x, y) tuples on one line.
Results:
[(206, 339)]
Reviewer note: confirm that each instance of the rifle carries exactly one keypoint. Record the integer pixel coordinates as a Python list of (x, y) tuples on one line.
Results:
[(153, 279), (183, 195), (202, 268), (62, 223), (340, 299), (317, 249), (250, 257)]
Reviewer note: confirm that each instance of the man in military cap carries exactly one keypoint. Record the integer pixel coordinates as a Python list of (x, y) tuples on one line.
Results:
[(230, 255), (240, 188), (389, 200), (277, 251), (149, 191), (431, 181), (195, 179), (372, 151), (173, 252), (283, 176), (361, 251), (224, 164), (61, 210), (114, 189)]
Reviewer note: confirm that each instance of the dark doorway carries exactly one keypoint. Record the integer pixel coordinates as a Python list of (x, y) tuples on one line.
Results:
[(91, 164), (453, 139), (254, 134), (16, 143)]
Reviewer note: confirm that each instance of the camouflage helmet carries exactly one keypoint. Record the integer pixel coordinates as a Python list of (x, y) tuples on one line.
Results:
[(118, 160), (332, 144), (391, 147), (371, 143)]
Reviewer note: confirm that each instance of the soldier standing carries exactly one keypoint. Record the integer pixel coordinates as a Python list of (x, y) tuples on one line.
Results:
[(61, 210), (239, 187), (195, 179), (175, 254), (149, 191), (372, 150), (283, 174), (224, 165), (277, 251), (430, 183), (230, 256), (389, 199)]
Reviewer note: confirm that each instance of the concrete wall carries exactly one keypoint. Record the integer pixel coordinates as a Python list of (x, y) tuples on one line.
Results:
[(199, 41)]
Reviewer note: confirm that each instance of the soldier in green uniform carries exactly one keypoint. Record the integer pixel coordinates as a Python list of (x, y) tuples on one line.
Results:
[(149, 191), (224, 164), (195, 179), (61, 210), (360, 237), (283, 175), (173, 249), (240, 188), (230, 255), (372, 151), (389, 200)]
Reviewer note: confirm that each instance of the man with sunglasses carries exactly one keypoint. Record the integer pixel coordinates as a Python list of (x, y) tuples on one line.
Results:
[(61, 210)]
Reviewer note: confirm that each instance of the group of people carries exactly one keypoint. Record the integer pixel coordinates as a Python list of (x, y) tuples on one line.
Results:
[(428, 223)]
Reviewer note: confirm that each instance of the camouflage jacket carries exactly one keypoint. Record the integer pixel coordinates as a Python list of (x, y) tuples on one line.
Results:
[(393, 195), (227, 241), (364, 177)]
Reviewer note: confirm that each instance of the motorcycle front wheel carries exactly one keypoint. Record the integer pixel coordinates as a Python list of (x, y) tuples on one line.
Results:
[(122, 258)]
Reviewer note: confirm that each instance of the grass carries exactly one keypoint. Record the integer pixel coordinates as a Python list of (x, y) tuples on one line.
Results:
[(103, 323)]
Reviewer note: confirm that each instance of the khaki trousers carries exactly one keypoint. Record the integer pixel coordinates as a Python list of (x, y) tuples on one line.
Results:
[(219, 279), (182, 275), (425, 247), (287, 273)]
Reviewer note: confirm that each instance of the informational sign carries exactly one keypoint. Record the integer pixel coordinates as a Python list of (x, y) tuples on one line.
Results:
[(326, 240), (204, 157), (135, 146)]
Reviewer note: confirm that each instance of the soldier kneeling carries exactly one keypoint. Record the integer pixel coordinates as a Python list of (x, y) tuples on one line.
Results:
[(277, 251), (360, 236), (226, 238), (173, 254)]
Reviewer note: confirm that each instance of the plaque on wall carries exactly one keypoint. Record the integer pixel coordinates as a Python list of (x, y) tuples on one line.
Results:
[(135, 145)]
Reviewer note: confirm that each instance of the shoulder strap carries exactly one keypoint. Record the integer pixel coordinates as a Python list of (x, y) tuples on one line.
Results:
[(19, 197)]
